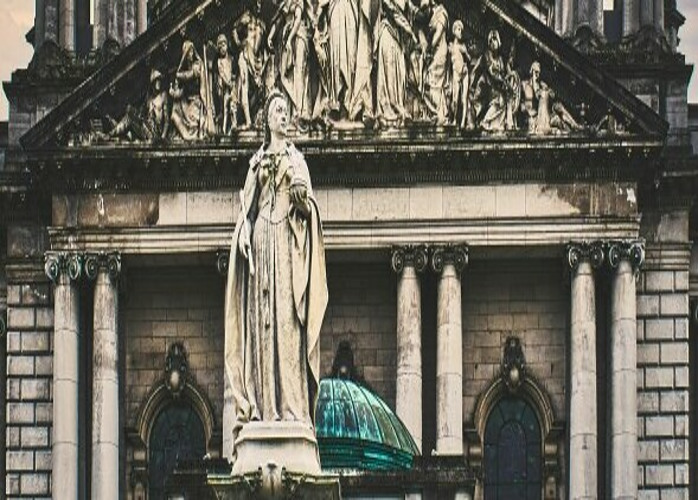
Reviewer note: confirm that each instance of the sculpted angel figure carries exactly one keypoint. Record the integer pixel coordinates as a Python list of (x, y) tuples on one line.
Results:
[(276, 292)]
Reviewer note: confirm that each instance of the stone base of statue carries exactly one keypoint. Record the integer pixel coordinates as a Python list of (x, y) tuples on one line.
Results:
[(276, 460)]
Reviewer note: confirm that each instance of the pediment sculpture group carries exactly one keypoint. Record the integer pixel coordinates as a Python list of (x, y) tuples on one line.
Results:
[(346, 64)]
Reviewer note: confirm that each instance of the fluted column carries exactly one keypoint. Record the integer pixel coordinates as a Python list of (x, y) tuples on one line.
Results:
[(624, 259), (67, 24), (64, 270), (583, 432), (448, 262), (105, 269), (408, 262)]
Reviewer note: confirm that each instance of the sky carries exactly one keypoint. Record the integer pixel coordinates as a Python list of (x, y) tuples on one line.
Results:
[(17, 17)]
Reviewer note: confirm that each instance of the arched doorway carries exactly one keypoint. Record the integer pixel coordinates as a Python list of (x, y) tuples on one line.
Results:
[(513, 449), (177, 434)]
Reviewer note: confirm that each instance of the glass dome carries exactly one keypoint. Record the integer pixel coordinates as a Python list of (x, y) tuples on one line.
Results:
[(357, 430)]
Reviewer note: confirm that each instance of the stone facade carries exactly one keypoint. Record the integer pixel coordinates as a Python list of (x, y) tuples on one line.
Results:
[(506, 259)]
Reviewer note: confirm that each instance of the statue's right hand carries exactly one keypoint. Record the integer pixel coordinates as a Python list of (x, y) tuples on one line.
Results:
[(244, 244)]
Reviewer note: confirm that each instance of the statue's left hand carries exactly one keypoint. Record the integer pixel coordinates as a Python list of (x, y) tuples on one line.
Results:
[(299, 198)]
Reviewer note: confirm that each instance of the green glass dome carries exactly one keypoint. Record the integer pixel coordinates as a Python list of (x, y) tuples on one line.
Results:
[(357, 430)]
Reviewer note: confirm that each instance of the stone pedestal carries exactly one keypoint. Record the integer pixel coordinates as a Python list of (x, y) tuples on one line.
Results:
[(291, 445)]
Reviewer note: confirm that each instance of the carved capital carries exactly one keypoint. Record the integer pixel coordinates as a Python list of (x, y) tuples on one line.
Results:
[(109, 262), (416, 256), (631, 250), (67, 263), (456, 255), (592, 252), (222, 261)]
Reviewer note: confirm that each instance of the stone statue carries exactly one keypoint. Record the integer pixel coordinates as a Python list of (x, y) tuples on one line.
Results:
[(277, 289), (436, 74), (226, 86), (500, 86), (256, 79), (544, 114), (192, 115), (460, 78), (394, 35)]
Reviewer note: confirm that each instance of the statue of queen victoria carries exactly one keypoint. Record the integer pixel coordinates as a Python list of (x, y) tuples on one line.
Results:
[(277, 289)]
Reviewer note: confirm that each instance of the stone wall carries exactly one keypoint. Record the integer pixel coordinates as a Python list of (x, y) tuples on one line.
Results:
[(527, 299), (29, 374)]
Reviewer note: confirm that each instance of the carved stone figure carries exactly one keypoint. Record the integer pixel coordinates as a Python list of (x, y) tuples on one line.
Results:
[(192, 115), (500, 86), (277, 289), (256, 79), (393, 36), (226, 86), (294, 75), (436, 74), (544, 114), (460, 78), (343, 27)]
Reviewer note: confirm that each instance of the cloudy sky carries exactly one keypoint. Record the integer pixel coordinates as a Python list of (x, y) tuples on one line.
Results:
[(17, 17)]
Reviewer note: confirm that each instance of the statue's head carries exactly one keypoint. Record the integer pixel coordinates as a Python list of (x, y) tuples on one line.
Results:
[(493, 41), (457, 29), (275, 115), (222, 45), (155, 81), (188, 51), (535, 70)]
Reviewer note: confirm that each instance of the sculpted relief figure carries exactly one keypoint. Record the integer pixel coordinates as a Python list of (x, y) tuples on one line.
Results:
[(460, 79), (226, 86), (191, 112), (436, 75), (545, 115), (277, 289)]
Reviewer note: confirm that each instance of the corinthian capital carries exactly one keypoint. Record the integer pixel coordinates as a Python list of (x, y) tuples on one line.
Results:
[(223, 261), (456, 255), (630, 250), (109, 262), (415, 256), (67, 263), (592, 252)]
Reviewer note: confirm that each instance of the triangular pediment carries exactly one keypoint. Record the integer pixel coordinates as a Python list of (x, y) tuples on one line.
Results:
[(373, 70)]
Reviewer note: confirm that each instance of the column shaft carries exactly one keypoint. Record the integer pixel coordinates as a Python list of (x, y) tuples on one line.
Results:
[(65, 390), (142, 16), (583, 412), (408, 399), (659, 15), (646, 13), (67, 24), (623, 384), (449, 364), (589, 13), (566, 17), (101, 21), (51, 20), (105, 392), (39, 24), (631, 17)]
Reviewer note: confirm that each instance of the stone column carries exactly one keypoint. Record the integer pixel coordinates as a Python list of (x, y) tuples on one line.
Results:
[(590, 13), (448, 262), (631, 17), (66, 30), (100, 23), (142, 16), (624, 259), (646, 13), (51, 20), (659, 16), (64, 270), (105, 269), (583, 479), (566, 21), (39, 23), (407, 262)]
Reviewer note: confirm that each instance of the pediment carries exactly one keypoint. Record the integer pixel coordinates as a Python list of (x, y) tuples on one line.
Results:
[(376, 71)]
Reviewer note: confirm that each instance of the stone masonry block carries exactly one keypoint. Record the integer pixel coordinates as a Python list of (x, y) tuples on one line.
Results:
[(20, 318), (673, 304), (647, 402), (675, 494), (20, 460), (36, 293), (20, 413), (14, 295), (681, 425), (35, 342), (648, 451), (44, 365), (681, 328), (42, 461), (681, 377), (659, 475), (647, 305), (674, 449), (674, 353), (681, 281), (20, 365), (647, 354), (44, 317), (674, 402), (33, 389), (659, 426), (648, 495), (35, 437), (659, 329), (34, 484), (14, 342), (659, 377), (659, 281), (681, 474), (12, 484)]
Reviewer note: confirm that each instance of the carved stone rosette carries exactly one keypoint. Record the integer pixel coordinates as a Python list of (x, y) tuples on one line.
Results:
[(67, 263), (457, 255), (632, 251), (589, 251), (109, 261), (222, 261), (416, 256)]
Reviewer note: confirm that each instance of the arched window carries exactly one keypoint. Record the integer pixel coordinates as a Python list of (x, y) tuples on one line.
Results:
[(512, 451), (177, 435)]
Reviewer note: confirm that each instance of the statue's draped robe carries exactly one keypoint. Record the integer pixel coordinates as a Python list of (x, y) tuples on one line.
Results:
[(273, 317)]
